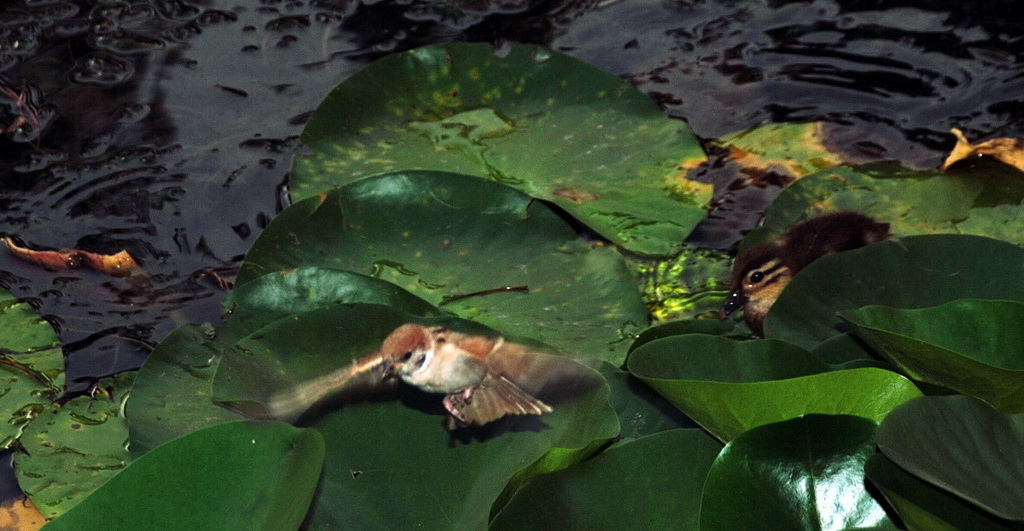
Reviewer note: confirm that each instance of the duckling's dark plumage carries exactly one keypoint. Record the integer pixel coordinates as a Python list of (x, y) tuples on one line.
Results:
[(762, 272)]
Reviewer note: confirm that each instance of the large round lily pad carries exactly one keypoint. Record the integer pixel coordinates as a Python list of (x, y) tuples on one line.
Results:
[(973, 346), (389, 444), (478, 249), (662, 476), (549, 125), (963, 446), (912, 272), (268, 298), (31, 366), (235, 476), (729, 387), (805, 473)]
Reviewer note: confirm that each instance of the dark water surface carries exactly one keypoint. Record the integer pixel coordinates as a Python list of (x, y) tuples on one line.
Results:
[(166, 127)]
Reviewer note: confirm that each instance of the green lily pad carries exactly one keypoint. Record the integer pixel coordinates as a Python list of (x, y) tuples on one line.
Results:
[(963, 446), (790, 149), (844, 350), (729, 387), (390, 444), (715, 327), (549, 125), (805, 473), (913, 272), (478, 249), (983, 203), (662, 474), (923, 507), (271, 297), (172, 391), (972, 346), (73, 448), (31, 366), (641, 410), (392, 452), (239, 475)]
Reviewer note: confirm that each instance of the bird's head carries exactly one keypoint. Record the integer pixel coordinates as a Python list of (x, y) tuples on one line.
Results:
[(409, 349)]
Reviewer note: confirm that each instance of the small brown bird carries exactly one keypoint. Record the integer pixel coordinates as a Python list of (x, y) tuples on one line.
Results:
[(474, 372), (761, 273)]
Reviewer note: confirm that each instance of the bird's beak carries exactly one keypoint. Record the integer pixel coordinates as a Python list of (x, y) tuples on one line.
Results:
[(733, 302)]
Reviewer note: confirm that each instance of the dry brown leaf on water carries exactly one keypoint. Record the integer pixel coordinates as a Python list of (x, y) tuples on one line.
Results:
[(117, 264), (1007, 150), (20, 514)]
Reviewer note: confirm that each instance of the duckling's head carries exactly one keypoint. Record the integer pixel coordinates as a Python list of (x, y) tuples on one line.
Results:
[(761, 273), (759, 276)]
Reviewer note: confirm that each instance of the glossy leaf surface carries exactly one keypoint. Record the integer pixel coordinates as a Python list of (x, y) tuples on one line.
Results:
[(270, 297), (963, 446), (805, 473), (973, 346), (240, 475), (549, 125), (913, 272), (655, 480), (924, 507), (512, 263), (730, 387)]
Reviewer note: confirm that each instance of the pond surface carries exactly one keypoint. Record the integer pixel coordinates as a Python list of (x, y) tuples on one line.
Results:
[(166, 127)]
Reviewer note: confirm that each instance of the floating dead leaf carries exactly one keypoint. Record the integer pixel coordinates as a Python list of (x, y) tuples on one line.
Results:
[(1006, 150), (118, 264), (19, 514)]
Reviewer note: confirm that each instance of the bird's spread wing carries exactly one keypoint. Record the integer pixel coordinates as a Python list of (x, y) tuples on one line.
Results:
[(493, 398), (290, 404)]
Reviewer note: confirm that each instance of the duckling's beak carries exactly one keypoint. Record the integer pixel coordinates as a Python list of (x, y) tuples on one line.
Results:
[(733, 302)]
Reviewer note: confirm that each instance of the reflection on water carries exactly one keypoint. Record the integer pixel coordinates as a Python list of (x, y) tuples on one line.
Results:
[(166, 127)]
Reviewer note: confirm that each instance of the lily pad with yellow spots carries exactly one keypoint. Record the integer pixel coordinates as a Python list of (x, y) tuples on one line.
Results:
[(791, 150), (982, 201), (539, 121)]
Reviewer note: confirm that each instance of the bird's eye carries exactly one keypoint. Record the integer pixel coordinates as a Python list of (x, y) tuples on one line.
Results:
[(756, 277), (406, 356)]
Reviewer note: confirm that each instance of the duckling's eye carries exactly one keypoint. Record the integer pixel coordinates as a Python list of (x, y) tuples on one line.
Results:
[(756, 277), (406, 356)]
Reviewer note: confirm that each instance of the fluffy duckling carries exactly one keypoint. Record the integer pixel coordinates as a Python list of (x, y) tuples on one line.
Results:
[(761, 273)]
